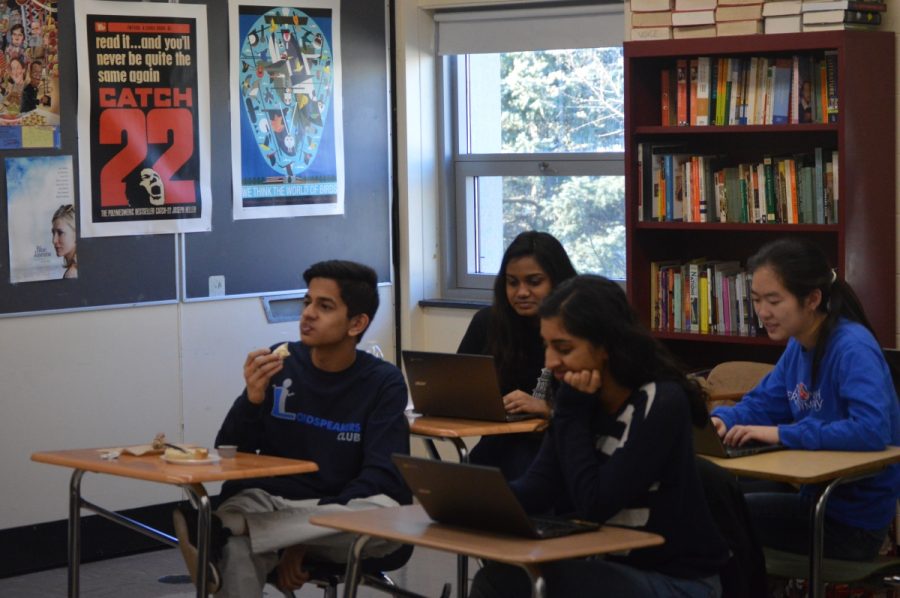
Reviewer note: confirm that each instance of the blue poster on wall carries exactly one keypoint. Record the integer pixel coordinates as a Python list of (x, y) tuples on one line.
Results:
[(286, 111)]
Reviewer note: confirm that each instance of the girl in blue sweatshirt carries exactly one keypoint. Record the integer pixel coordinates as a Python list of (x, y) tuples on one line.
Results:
[(830, 390)]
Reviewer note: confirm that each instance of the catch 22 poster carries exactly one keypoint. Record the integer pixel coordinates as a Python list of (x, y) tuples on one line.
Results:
[(143, 118)]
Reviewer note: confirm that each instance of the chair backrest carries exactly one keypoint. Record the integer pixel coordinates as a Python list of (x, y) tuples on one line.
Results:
[(892, 356), (731, 380)]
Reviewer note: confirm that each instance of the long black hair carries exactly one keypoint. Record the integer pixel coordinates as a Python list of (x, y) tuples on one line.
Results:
[(595, 308), (802, 267), (509, 332)]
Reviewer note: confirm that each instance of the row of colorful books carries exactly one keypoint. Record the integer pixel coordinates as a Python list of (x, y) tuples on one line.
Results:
[(758, 90), (680, 187), (702, 296), (667, 19)]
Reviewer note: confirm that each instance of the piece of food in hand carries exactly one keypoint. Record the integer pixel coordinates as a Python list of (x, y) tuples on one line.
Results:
[(282, 351), (187, 454)]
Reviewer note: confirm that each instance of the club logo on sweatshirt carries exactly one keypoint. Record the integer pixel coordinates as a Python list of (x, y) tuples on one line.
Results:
[(803, 399), (346, 431)]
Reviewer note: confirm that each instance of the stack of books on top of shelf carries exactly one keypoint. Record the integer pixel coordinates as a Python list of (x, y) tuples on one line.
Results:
[(750, 90), (703, 297), (665, 19), (792, 16), (822, 15), (678, 19)]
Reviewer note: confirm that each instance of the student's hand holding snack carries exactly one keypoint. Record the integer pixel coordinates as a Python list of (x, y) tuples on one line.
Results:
[(259, 367)]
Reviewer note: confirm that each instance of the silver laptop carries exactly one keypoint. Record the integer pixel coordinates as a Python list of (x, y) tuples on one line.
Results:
[(477, 497), (456, 385), (708, 442)]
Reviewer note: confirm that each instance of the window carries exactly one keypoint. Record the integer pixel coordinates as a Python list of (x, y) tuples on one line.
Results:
[(534, 140)]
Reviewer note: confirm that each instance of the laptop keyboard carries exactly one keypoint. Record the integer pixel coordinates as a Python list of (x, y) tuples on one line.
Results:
[(550, 527), (751, 448)]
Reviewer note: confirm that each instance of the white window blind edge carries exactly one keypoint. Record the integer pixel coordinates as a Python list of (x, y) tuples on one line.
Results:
[(540, 29)]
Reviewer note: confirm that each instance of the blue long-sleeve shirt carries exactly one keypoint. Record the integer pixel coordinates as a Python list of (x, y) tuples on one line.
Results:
[(348, 422), (851, 407), (633, 468)]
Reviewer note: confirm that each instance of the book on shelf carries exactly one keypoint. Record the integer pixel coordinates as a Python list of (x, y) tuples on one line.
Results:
[(740, 12), (819, 184), (692, 91), (781, 91), (650, 33), (748, 27), (782, 8), (693, 31), (695, 4), (667, 97), (693, 17), (835, 180), (682, 93), (831, 83), (738, 2), (823, 5), (805, 68), (813, 27), (861, 17), (650, 5), (783, 24), (662, 18)]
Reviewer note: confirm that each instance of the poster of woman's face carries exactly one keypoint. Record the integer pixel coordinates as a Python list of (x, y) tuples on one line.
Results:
[(43, 231)]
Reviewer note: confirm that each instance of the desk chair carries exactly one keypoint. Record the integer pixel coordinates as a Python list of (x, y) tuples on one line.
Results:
[(875, 574), (859, 574), (727, 382), (329, 575)]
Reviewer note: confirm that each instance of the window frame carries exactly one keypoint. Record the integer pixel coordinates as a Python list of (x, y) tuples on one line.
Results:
[(456, 230)]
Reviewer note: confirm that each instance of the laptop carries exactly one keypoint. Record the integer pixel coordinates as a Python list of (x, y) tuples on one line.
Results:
[(477, 497), (708, 442), (456, 385)]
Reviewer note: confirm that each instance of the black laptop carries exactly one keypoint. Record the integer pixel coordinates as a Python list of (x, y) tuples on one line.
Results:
[(708, 442), (477, 497), (456, 385)]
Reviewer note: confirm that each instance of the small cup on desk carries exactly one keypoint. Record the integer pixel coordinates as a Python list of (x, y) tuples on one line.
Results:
[(227, 451)]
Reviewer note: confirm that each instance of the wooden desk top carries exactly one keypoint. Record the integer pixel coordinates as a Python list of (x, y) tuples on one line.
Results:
[(808, 467), (410, 524), (442, 427), (153, 468)]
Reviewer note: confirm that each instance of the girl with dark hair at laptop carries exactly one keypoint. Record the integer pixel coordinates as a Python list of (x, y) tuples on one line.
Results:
[(831, 390), (619, 447), (533, 264)]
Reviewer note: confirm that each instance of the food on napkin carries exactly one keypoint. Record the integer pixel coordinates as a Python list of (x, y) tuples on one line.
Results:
[(188, 454), (282, 351)]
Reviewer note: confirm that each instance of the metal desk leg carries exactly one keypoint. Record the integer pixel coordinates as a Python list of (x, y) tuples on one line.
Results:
[(462, 560), (354, 566), (200, 500), (816, 585), (538, 586), (74, 547)]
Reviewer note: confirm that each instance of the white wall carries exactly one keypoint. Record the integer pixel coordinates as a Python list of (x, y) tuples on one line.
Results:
[(117, 377)]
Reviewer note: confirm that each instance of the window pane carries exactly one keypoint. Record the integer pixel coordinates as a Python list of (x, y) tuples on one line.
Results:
[(586, 213), (542, 102)]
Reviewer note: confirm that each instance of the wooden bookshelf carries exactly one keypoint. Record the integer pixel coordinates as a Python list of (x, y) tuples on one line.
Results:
[(862, 242)]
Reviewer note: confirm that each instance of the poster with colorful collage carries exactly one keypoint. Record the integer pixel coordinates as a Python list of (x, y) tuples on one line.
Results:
[(143, 118), (29, 74), (286, 108)]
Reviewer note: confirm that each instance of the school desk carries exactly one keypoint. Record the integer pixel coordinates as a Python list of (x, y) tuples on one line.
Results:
[(153, 468), (830, 468), (411, 525), (453, 431)]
